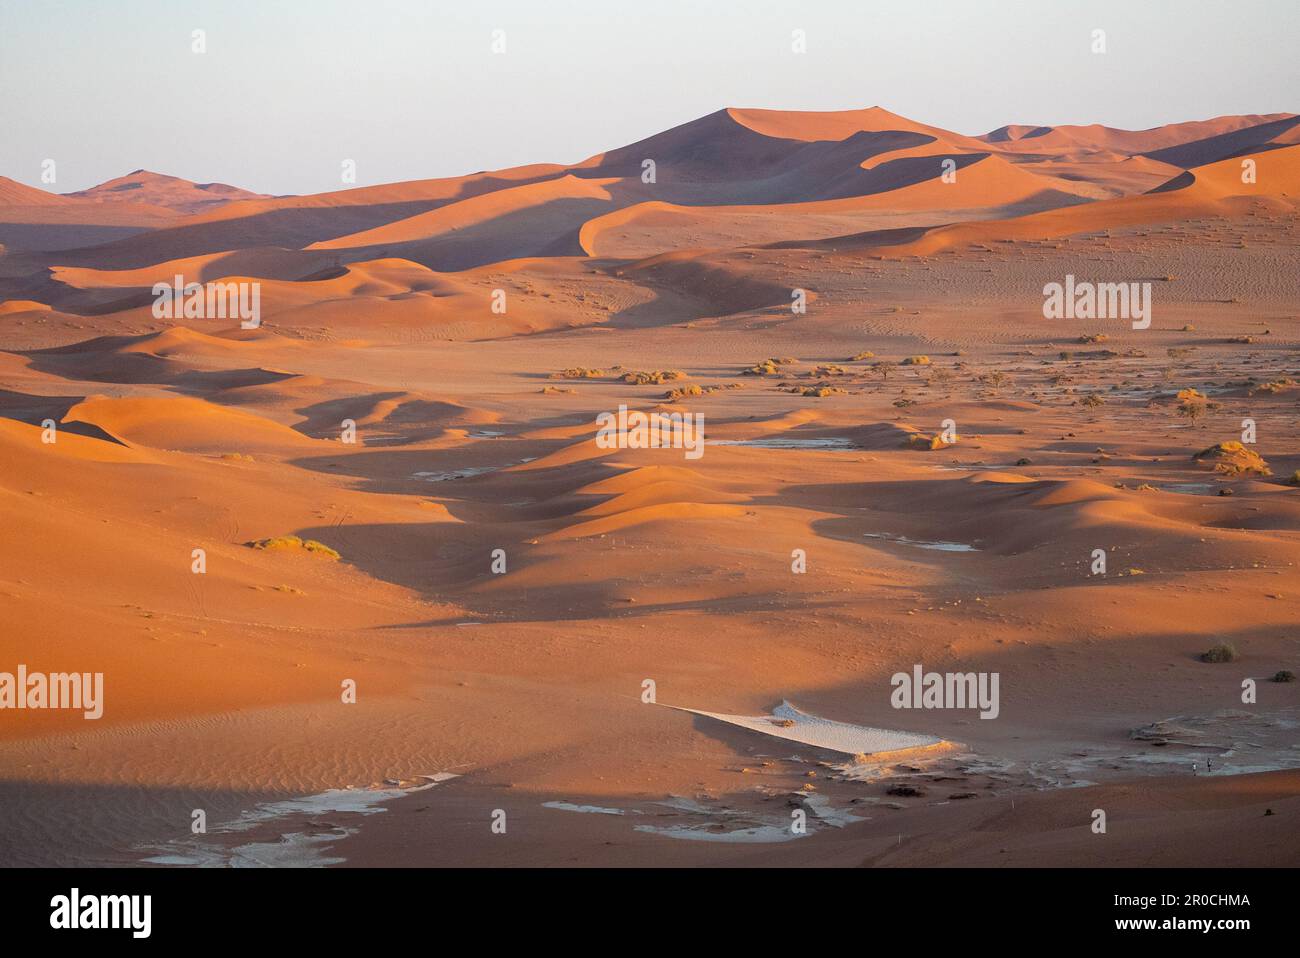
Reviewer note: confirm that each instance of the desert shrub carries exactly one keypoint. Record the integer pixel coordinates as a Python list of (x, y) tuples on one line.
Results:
[(1284, 676), (905, 791), (1276, 386), (768, 367), (656, 378), (1223, 652), (1192, 405), (285, 543), (940, 376), (883, 368), (1231, 458)]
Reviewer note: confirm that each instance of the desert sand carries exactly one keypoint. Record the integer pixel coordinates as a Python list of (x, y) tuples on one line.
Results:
[(498, 587)]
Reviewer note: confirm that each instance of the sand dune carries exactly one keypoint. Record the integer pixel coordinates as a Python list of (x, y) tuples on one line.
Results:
[(13, 193), (896, 190), (186, 424), (263, 263), (1200, 192), (1095, 137), (530, 220), (169, 192), (837, 125)]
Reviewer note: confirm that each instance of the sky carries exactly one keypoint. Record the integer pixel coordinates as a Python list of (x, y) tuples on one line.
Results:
[(286, 90)]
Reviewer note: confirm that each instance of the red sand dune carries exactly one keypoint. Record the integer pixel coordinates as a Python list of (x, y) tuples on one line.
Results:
[(170, 192)]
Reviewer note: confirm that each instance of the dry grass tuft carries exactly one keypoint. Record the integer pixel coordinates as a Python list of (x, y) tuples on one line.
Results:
[(655, 378), (294, 543)]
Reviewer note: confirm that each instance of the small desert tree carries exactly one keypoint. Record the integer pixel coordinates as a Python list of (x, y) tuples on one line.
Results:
[(995, 380), (1192, 405)]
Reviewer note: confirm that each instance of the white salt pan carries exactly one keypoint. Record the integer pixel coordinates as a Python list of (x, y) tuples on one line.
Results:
[(294, 849), (590, 809), (789, 723)]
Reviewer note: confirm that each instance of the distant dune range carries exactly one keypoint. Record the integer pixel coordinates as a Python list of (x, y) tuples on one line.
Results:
[(421, 398), (735, 178)]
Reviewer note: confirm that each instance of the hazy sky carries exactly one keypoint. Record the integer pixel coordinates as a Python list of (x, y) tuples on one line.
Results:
[(288, 89)]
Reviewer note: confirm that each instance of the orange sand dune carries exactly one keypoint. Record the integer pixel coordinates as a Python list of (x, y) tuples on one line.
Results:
[(1203, 191), (637, 478), (521, 221), (658, 493), (1095, 137), (445, 189), (177, 355), (299, 221), (718, 159), (11, 306), (720, 287), (628, 514), (839, 124), (897, 190), (264, 263), (186, 424), (13, 193), (1233, 142), (122, 522), (169, 192), (33, 219)]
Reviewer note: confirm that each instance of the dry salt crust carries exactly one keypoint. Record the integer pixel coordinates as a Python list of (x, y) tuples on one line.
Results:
[(761, 834), (294, 849), (469, 472), (586, 809), (755, 828), (789, 723), (835, 817), (922, 544)]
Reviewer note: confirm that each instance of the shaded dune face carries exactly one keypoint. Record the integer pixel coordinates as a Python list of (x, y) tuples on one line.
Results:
[(394, 478)]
